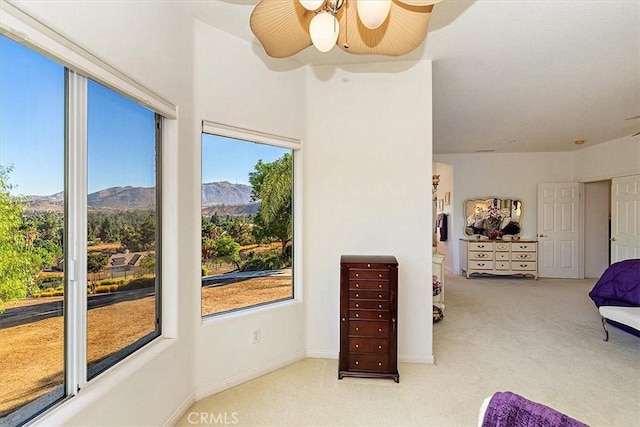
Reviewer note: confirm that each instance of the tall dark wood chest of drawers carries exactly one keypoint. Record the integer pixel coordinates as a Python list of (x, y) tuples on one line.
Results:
[(368, 317)]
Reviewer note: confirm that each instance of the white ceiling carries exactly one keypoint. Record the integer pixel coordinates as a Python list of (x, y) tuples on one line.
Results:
[(510, 76)]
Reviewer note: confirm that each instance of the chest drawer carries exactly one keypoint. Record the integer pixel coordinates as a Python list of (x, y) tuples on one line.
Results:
[(502, 256), (369, 345), (480, 246), (481, 265), (369, 362), (355, 273), (369, 305), (502, 247), (523, 247), (382, 285), (523, 266), (503, 265), (369, 314), (377, 295), (481, 255), (523, 256), (368, 328)]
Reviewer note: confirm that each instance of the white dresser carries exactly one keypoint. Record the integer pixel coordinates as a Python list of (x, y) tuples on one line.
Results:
[(499, 257)]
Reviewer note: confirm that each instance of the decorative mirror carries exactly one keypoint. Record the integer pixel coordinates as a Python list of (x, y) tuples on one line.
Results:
[(493, 217)]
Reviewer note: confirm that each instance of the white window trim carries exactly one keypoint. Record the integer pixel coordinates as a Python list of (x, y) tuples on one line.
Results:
[(219, 129), (21, 27)]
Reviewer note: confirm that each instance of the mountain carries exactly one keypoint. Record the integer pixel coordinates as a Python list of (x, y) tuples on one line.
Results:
[(225, 193), (132, 198)]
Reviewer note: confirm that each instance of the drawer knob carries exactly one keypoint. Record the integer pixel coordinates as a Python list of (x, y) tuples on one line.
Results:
[(379, 363), (357, 345), (380, 347), (357, 329), (357, 363), (357, 315), (357, 305), (379, 295), (380, 316), (357, 295), (357, 285), (380, 286), (343, 319), (379, 305), (368, 265), (379, 329), (379, 275), (357, 275)]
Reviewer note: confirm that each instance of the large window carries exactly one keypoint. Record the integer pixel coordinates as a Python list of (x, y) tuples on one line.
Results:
[(247, 223), (79, 230)]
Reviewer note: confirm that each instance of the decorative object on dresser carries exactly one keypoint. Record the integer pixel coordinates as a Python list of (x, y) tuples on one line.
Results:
[(499, 257), (492, 217), (438, 287), (368, 317)]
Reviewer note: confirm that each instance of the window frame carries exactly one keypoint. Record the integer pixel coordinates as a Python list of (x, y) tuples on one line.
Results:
[(80, 65), (295, 145)]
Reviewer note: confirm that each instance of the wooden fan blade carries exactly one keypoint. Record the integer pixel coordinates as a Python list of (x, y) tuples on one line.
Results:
[(281, 26), (419, 2), (403, 31), (633, 118), (636, 134)]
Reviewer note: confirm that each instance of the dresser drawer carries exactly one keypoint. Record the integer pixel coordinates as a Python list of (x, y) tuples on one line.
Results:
[(369, 345), (523, 266), (502, 256), (481, 255), (481, 265), (378, 295), (368, 362), (480, 246), (369, 284), (502, 265), (369, 328), (523, 247), (368, 274), (369, 305), (369, 314), (502, 247), (523, 256)]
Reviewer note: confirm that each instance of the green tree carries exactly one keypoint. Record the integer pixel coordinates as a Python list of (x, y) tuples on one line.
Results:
[(18, 265), (96, 262), (229, 249), (273, 185), (148, 263)]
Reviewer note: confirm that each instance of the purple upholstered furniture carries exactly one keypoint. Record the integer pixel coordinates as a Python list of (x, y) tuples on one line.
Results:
[(506, 409)]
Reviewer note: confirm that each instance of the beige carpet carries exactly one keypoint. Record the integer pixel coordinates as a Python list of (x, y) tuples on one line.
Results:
[(541, 339)]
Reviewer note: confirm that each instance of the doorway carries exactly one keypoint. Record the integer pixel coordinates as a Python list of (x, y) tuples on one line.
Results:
[(597, 227)]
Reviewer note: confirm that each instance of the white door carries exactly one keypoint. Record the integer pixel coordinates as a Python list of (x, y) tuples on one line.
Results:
[(559, 230), (625, 218)]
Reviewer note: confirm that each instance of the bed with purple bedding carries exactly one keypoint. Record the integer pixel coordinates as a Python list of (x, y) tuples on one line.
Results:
[(619, 286)]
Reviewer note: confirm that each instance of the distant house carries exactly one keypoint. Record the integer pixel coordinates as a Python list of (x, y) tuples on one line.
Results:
[(125, 262)]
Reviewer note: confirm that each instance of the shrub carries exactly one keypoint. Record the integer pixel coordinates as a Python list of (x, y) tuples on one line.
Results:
[(103, 289), (139, 283), (107, 282), (271, 262)]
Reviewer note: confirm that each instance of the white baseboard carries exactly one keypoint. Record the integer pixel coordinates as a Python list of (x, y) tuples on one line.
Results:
[(182, 409), (249, 375), (322, 354), (410, 358)]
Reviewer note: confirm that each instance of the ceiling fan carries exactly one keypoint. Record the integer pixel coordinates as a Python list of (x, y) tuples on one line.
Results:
[(380, 27)]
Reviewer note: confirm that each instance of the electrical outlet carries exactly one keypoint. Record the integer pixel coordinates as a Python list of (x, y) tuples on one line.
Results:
[(256, 336)]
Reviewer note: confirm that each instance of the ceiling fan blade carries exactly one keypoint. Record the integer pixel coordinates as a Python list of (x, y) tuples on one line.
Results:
[(403, 31), (632, 118), (636, 134), (419, 2), (281, 26)]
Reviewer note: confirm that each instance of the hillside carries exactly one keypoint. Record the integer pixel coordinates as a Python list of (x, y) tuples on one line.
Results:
[(227, 198)]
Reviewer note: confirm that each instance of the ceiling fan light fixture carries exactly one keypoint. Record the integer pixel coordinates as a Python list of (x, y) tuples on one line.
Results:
[(311, 4), (324, 29), (373, 13)]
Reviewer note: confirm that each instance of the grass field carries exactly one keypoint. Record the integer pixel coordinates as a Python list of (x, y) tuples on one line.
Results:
[(31, 355)]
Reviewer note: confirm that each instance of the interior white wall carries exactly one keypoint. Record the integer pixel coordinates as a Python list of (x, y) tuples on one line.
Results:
[(235, 85), (597, 197), (447, 179), (368, 168), (134, 38), (620, 157), (514, 175)]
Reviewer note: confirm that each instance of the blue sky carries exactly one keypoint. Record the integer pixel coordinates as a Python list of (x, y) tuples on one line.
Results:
[(227, 159), (121, 133)]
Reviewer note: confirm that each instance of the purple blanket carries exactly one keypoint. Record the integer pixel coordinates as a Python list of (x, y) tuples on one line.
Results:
[(511, 410), (619, 285)]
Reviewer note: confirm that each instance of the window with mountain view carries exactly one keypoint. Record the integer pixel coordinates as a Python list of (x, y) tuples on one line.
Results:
[(121, 227), (31, 231), (42, 231), (247, 224)]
